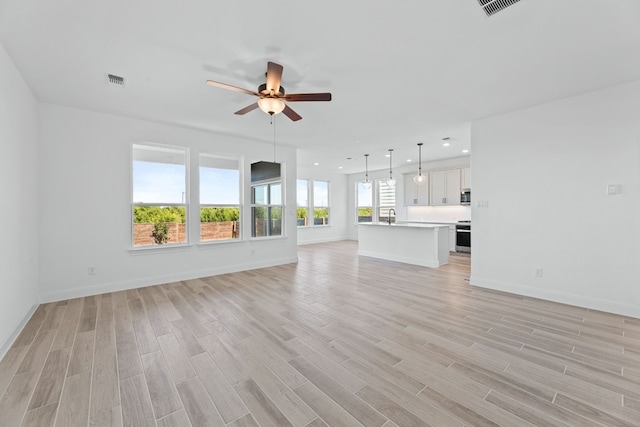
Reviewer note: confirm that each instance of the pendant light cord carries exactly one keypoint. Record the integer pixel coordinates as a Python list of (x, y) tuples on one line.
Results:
[(366, 168), (273, 123)]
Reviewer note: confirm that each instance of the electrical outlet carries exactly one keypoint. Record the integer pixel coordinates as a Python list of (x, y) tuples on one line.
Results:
[(613, 189), (537, 272), (91, 271)]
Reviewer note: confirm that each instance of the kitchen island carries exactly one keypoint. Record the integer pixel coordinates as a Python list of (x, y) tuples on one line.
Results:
[(420, 244)]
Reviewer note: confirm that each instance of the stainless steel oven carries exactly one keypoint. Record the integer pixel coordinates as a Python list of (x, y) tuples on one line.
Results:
[(463, 236)]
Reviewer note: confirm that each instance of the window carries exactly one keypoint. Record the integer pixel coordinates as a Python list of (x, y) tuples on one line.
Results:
[(219, 198), (386, 201), (320, 207), (159, 205), (302, 197), (364, 203), (266, 209), (320, 203), (266, 200)]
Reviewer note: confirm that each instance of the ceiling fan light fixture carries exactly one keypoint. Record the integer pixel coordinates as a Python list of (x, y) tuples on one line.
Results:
[(271, 105)]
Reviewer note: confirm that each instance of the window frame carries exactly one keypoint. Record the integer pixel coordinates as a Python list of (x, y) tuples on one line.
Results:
[(379, 187), (358, 207), (307, 223), (311, 203), (185, 151), (314, 206), (201, 205), (268, 206)]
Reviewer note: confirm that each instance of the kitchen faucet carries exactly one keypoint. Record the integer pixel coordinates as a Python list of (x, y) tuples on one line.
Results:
[(389, 215)]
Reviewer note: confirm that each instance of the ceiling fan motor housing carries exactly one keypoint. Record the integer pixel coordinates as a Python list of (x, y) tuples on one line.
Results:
[(264, 91)]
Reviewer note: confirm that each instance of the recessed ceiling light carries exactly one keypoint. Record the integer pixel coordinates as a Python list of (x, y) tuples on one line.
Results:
[(339, 167), (409, 160), (465, 151), (446, 144), (316, 164)]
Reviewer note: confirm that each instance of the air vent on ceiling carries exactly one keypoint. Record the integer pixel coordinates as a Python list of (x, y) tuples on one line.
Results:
[(491, 7), (115, 80)]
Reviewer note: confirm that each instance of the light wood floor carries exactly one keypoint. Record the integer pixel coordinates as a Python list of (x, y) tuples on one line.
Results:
[(334, 340)]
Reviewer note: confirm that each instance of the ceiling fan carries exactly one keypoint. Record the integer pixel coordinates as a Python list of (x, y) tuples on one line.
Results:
[(272, 95)]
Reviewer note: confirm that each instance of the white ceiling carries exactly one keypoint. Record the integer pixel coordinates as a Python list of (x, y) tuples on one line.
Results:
[(400, 72)]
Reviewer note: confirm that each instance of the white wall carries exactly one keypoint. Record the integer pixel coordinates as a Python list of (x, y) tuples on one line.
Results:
[(85, 189), (338, 194), (435, 213), (19, 194), (544, 172), (439, 213)]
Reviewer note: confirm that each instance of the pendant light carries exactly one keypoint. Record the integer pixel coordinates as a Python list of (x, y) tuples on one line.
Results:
[(420, 179), (366, 184), (391, 182)]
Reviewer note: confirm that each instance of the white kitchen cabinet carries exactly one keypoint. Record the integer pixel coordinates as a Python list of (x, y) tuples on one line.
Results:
[(418, 244), (414, 194), (445, 187), (466, 178)]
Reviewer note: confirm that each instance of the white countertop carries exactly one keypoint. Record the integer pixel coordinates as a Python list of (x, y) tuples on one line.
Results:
[(424, 221)]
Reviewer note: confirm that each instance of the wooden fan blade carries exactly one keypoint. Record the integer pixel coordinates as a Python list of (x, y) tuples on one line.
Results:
[(246, 109), (274, 76), (233, 88), (291, 114), (299, 97)]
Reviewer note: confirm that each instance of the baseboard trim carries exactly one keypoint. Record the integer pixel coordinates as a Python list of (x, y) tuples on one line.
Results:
[(158, 280), (598, 304), (9, 341)]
